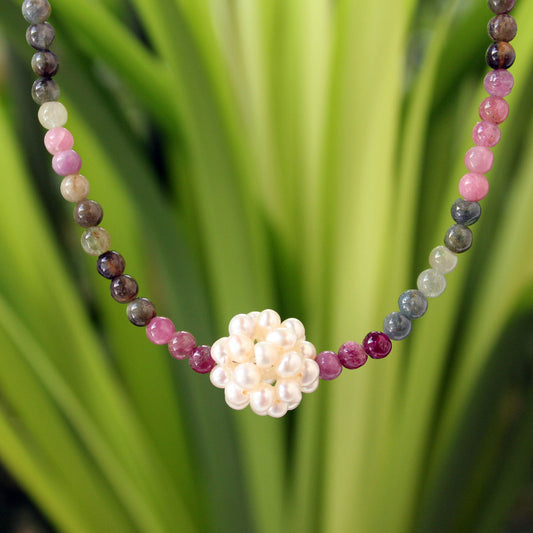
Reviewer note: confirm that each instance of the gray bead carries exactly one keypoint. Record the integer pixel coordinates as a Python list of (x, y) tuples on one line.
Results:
[(140, 311), (458, 238), (465, 212), (413, 304), (44, 63), (396, 326), (45, 90), (88, 213), (36, 11), (40, 36)]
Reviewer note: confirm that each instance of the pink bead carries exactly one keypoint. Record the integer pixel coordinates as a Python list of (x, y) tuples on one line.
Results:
[(58, 139), (479, 159), (201, 360), (329, 365), (160, 330), (66, 162), (377, 345), (499, 82), (473, 187), (486, 134), (181, 345), (494, 109)]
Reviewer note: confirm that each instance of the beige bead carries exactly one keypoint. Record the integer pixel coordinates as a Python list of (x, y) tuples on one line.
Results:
[(95, 241), (75, 188), (52, 115)]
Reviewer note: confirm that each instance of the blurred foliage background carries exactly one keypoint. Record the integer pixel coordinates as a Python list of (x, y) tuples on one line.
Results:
[(294, 154)]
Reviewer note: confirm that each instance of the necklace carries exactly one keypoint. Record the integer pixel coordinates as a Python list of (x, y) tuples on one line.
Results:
[(265, 362)]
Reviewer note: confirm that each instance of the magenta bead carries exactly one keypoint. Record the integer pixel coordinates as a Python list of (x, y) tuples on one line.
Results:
[(329, 365), (181, 345), (486, 133), (494, 109), (58, 140), (66, 162), (473, 187), (352, 355), (479, 159), (499, 82), (160, 330), (201, 360), (377, 345)]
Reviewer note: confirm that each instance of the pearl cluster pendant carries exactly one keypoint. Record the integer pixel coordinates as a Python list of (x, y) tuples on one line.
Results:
[(264, 363)]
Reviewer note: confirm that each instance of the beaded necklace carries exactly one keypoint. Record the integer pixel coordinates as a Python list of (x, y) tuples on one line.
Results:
[(265, 362)]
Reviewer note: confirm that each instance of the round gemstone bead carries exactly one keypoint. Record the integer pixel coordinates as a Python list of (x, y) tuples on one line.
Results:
[(396, 326), (58, 140), (431, 283), (499, 82), (329, 365), (442, 259), (479, 159), (45, 90), (123, 288), (52, 115), (494, 109), (201, 360), (110, 264), (40, 36), (465, 212), (377, 344), (413, 304), (160, 330), (501, 6), (458, 238), (88, 213), (502, 28), (473, 187), (182, 345), (36, 11), (44, 63), (140, 311), (95, 241), (75, 188), (500, 55), (66, 162), (486, 133), (352, 355)]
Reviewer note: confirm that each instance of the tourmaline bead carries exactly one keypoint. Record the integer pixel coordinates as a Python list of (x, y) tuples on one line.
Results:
[(413, 304), (40, 36), (45, 90), (123, 288), (502, 28), (88, 213), (75, 188), (479, 159), (377, 345), (352, 355), (110, 264), (499, 82), (500, 55), (442, 259), (36, 11), (486, 133), (201, 360), (473, 187), (329, 365), (140, 311), (465, 212), (58, 140), (431, 283), (494, 109), (44, 63), (182, 345), (95, 241), (52, 115), (160, 330), (501, 6), (66, 162), (396, 326), (458, 238)]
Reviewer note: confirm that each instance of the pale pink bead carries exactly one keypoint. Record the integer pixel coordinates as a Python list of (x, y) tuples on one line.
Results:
[(486, 133), (479, 159), (58, 139), (160, 330), (494, 109), (499, 82), (473, 187), (66, 162)]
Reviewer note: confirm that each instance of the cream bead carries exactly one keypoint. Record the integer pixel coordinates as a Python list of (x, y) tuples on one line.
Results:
[(310, 372), (442, 259), (220, 376), (296, 326), (307, 350), (261, 399), (266, 354), (278, 409), (242, 324), (239, 348), (247, 376), (289, 365), (285, 338), (95, 241), (431, 283), (75, 188), (52, 115)]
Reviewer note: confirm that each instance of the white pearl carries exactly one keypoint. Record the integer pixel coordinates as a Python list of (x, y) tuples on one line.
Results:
[(269, 375), (283, 337), (254, 315), (266, 354), (247, 376), (288, 391), (240, 348), (307, 350), (296, 326), (268, 319), (294, 405), (310, 388), (242, 324), (310, 372), (431, 283), (220, 376), (278, 409), (443, 260), (236, 398), (261, 399), (52, 115), (290, 364), (219, 351)]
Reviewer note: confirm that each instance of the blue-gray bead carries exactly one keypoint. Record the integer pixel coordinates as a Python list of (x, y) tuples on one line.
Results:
[(36, 11), (458, 238), (396, 326), (465, 212), (413, 304), (45, 90), (40, 36)]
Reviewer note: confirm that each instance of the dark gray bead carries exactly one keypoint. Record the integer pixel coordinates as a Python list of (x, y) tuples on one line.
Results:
[(140, 311), (458, 238), (413, 304), (465, 212), (110, 264), (501, 6), (40, 36), (88, 213), (44, 63), (396, 326), (123, 288), (45, 90), (36, 11), (502, 28)]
